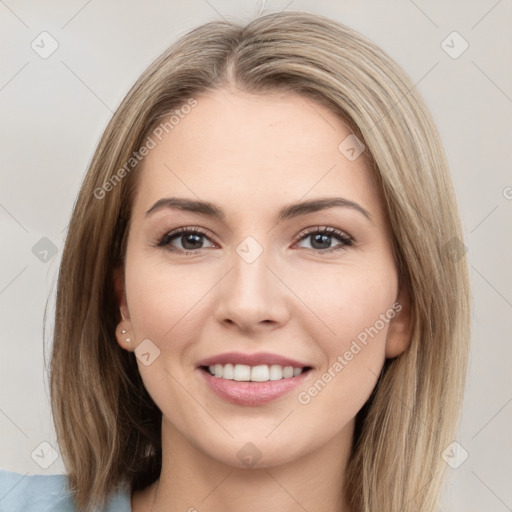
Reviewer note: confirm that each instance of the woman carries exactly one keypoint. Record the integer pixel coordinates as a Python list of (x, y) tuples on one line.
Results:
[(262, 300)]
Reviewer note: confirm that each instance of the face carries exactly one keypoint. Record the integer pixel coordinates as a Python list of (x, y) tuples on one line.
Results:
[(250, 282)]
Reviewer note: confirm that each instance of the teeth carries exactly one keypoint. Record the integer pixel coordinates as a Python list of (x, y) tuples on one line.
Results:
[(228, 372), (287, 372), (259, 373), (241, 372), (276, 372), (246, 373)]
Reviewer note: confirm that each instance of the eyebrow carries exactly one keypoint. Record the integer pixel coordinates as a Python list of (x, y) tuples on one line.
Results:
[(288, 212)]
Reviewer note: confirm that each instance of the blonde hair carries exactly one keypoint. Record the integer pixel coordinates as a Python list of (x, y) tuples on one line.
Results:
[(108, 427)]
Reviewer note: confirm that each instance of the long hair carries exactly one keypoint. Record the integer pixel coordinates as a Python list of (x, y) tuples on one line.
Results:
[(108, 427)]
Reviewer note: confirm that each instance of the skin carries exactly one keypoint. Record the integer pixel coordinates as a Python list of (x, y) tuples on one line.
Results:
[(251, 155)]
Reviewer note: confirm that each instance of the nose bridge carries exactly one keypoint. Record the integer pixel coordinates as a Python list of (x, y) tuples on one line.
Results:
[(250, 274), (251, 293)]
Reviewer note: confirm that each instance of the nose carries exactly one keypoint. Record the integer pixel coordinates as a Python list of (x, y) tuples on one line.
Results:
[(252, 296)]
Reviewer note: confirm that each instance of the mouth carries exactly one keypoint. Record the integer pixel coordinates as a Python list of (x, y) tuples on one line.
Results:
[(259, 373), (256, 384)]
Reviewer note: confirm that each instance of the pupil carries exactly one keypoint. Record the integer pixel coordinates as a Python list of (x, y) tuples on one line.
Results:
[(321, 239), (185, 240)]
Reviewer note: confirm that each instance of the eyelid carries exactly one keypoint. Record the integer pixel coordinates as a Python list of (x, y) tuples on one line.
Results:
[(348, 239), (162, 241)]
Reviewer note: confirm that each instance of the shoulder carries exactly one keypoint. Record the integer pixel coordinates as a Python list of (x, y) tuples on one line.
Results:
[(33, 493), (43, 493)]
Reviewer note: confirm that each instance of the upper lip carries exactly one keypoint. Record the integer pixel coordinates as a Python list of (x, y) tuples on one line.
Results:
[(259, 358)]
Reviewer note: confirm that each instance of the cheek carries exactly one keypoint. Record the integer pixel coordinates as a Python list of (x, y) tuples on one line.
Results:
[(355, 308), (347, 299), (162, 297), (362, 307), (353, 356)]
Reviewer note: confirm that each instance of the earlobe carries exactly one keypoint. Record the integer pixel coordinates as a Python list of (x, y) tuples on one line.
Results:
[(124, 332), (124, 336), (400, 326)]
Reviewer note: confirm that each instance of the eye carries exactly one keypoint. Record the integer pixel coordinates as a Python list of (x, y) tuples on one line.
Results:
[(321, 239), (189, 240), (184, 240)]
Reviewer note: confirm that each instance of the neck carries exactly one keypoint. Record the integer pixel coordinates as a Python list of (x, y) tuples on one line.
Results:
[(191, 480)]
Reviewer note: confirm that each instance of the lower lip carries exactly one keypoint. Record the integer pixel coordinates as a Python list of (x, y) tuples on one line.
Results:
[(252, 393)]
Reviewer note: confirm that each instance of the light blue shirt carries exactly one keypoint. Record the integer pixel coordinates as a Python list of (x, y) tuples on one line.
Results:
[(49, 493)]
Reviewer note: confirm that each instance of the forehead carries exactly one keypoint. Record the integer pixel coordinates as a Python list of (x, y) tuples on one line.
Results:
[(252, 151)]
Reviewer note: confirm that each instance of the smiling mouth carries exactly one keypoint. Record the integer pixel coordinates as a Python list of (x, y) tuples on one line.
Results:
[(259, 373)]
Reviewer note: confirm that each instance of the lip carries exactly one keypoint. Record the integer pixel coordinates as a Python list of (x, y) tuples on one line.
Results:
[(256, 359), (251, 393)]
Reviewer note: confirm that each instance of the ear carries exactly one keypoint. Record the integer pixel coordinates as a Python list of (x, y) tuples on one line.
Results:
[(119, 289), (124, 332), (400, 326)]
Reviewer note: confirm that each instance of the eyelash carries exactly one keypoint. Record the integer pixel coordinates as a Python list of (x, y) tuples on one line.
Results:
[(346, 240)]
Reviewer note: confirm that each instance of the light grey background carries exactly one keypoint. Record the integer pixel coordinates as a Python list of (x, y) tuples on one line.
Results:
[(54, 110)]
